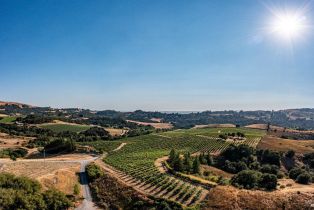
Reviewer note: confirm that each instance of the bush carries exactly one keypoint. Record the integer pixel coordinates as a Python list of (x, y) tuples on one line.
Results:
[(247, 179), (295, 172), (268, 181), (270, 169), (93, 172), (234, 167), (56, 200), (304, 178), (268, 157), (24, 193), (290, 154), (60, 145)]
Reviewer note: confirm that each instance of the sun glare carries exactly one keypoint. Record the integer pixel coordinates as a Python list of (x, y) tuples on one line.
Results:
[(289, 25)]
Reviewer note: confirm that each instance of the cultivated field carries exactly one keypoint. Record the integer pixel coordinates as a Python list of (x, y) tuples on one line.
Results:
[(134, 163), (60, 127)]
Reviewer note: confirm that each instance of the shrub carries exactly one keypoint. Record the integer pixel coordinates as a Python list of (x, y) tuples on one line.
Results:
[(268, 181), (304, 178), (270, 169), (247, 179), (56, 200), (290, 154), (295, 172), (60, 145), (93, 172)]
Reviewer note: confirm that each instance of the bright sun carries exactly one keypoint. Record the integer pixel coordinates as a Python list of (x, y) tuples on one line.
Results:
[(288, 26)]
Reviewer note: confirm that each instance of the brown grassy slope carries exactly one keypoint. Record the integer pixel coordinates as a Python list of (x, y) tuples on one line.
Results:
[(227, 197), (279, 144), (155, 125), (111, 194)]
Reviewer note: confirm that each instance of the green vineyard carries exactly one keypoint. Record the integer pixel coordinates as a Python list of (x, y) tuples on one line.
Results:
[(135, 162)]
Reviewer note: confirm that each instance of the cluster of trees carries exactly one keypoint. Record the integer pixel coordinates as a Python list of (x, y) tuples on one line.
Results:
[(237, 134), (60, 145), (186, 164), (249, 179), (24, 193), (253, 169), (13, 153), (35, 119), (305, 174)]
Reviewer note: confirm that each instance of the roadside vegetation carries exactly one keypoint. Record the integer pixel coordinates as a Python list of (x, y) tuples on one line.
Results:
[(24, 193)]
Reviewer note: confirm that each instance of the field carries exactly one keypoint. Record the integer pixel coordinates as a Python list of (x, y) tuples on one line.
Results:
[(7, 119), (279, 144), (134, 163), (60, 175), (156, 125), (60, 127)]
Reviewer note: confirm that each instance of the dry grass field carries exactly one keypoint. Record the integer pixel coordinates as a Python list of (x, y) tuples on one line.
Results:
[(279, 144), (59, 175), (155, 125), (227, 197), (8, 141), (216, 126)]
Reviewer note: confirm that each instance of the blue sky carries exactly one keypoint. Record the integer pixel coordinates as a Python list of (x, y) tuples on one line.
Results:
[(152, 55)]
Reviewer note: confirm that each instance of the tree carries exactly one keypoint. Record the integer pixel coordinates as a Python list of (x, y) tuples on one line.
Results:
[(209, 159), (247, 179), (178, 164), (56, 200), (268, 181), (172, 155), (295, 172), (290, 154), (187, 162), (196, 165), (304, 178)]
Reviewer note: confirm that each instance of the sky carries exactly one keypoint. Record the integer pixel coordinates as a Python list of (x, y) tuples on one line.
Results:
[(177, 55)]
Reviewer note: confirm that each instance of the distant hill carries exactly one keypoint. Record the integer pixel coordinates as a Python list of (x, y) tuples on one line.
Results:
[(301, 119), (21, 105)]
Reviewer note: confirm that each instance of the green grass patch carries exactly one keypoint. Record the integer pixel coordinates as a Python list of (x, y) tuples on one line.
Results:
[(65, 127), (8, 120)]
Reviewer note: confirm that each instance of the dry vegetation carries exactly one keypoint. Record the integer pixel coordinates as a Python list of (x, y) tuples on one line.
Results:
[(8, 141), (279, 144), (227, 197), (62, 176), (216, 126), (155, 125)]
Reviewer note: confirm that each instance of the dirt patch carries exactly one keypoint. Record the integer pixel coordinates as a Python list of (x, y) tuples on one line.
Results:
[(155, 125), (156, 120), (227, 197), (116, 131), (119, 147), (279, 144)]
